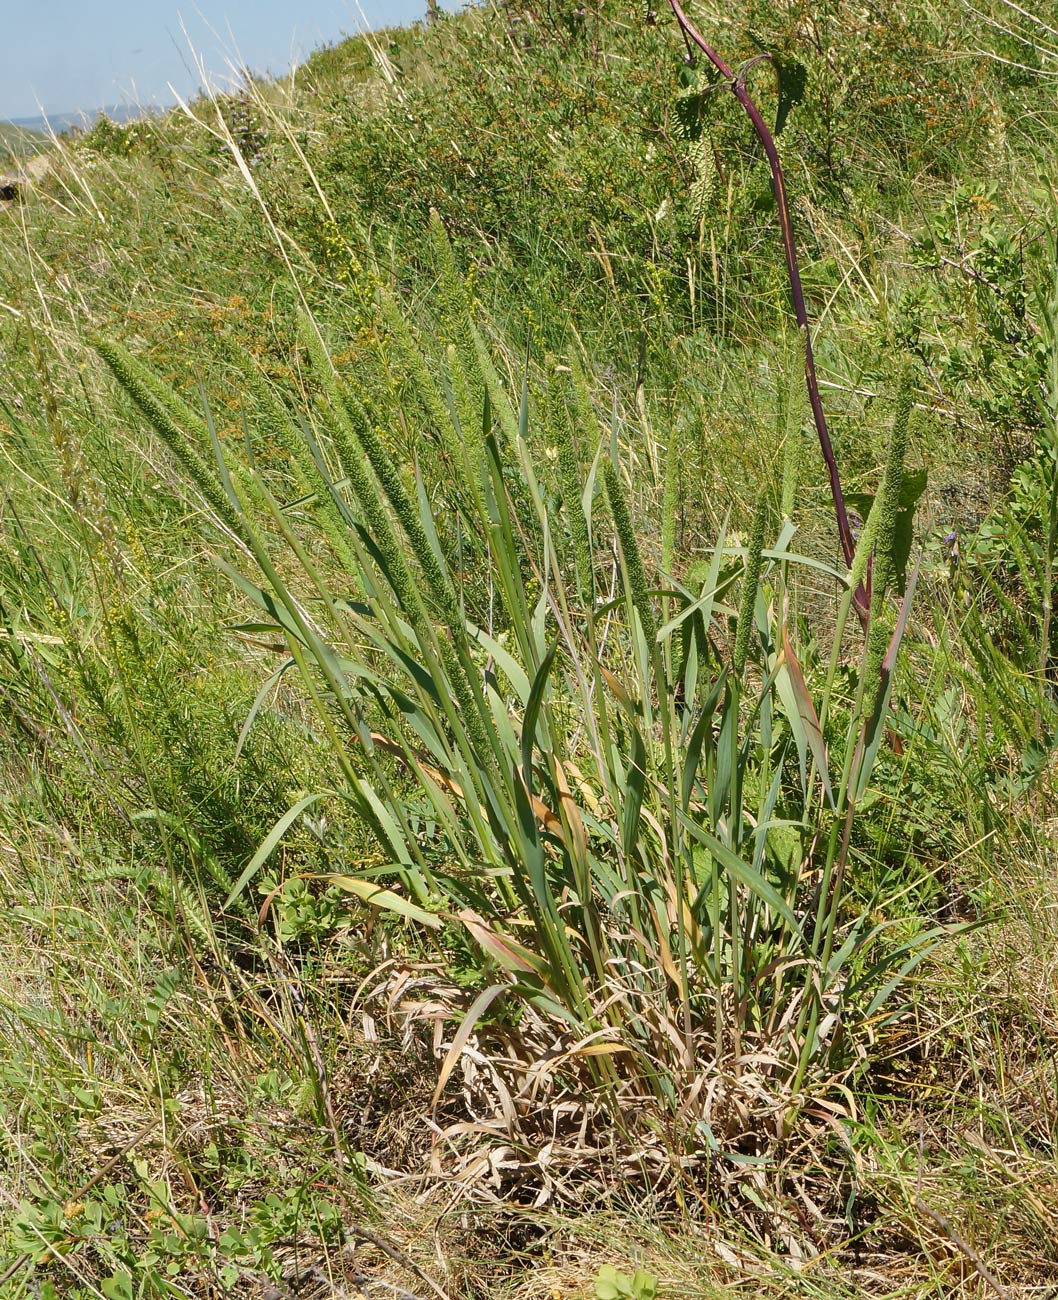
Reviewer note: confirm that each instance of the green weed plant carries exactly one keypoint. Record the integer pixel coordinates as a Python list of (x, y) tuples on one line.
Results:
[(638, 821)]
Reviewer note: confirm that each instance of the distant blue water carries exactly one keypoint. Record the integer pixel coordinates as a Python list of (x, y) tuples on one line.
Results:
[(59, 122)]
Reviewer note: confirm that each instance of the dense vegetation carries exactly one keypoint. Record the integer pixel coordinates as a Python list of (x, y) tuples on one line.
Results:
[(17, 142), (472, 824)]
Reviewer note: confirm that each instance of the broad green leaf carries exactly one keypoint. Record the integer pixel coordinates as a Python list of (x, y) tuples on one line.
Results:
[(508, 952), (265, 599), (801, 715), (635, 780), (271, 843), (875, 728), (368, 892), (269, 686), (532, 713), (387, 823), (742, 871), (507, 663)]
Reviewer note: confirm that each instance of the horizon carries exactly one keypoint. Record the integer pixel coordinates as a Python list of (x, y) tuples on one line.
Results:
[(146, 53)]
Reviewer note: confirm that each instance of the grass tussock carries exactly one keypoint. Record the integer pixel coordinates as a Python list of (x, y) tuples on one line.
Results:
[(526, 670)]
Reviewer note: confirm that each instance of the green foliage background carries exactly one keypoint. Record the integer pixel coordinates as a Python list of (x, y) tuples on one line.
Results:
[(615, 241)]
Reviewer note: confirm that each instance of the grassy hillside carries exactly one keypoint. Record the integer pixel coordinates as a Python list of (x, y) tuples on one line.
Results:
[(16, 142), (485, 812)]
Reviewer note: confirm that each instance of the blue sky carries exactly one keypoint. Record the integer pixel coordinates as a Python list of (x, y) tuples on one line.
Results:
[(68, 55)]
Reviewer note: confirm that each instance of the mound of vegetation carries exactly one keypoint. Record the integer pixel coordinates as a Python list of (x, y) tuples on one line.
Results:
[(19, 142), (526, 668)]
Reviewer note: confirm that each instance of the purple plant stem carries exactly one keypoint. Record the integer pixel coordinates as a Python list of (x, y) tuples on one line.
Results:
[(737, 86)]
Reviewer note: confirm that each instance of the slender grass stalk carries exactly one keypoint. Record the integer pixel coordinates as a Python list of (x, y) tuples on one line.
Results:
[(569, 473), (750, 586), (630, 554), (737, 85), (352, 443), (163, 415), (468, 383), (887, 506), (791, 410), (452, 425)]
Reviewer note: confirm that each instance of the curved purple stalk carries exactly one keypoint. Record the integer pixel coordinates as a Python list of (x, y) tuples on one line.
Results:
[(738, 88)]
